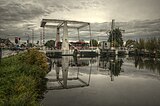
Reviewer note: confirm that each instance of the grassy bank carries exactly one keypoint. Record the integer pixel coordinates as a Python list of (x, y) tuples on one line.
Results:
[(22, 77)]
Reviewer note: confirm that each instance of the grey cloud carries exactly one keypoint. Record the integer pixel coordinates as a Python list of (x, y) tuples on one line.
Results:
[(133, 29), (15, 15), (15, 11)]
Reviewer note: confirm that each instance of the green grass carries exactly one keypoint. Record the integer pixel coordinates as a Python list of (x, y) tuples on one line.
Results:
[(21, 83)]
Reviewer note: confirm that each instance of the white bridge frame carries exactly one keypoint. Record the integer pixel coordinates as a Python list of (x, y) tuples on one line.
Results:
[(65, 24)]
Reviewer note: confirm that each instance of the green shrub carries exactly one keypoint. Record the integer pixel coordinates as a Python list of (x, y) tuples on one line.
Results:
[(34, 57), (21, 77)]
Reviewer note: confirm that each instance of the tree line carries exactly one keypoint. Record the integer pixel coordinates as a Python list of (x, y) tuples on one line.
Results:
[(150, 44)]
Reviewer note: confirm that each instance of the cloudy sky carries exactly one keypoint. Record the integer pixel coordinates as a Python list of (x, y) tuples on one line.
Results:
[(137, 17)]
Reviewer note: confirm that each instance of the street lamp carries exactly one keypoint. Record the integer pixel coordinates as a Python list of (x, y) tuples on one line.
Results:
[(32, 35)]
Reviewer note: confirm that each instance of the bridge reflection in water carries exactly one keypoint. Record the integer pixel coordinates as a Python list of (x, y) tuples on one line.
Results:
[(103, 82), (58, 78), (71, 72)]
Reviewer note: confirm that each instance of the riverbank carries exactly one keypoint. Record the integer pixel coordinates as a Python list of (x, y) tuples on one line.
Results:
[(22, 78)]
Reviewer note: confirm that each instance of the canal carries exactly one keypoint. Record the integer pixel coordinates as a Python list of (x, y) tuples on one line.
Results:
[(6, 53), (119, 81)]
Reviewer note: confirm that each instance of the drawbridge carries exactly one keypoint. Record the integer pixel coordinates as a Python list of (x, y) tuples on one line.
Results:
[(64, 25)]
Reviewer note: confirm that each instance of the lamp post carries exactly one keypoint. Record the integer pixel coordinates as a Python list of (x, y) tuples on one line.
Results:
[(32, 34)]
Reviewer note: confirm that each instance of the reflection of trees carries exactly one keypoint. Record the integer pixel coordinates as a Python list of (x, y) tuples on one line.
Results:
[(149, 64), (138, 61), (113, 65)]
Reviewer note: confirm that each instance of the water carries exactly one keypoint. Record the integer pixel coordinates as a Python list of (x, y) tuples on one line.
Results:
[(98, 81), (6, 53)]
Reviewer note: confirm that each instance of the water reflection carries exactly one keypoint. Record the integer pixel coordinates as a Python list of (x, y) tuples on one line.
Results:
[(62, 68), (97, 82), (112, 66), (148, 63), (73, 72)]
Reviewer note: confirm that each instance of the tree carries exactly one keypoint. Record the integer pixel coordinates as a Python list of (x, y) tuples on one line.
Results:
[(93, 42), (140, 44), (115, 66), (129, 43), (136, 44), (29, 45), (115, 37), (151, 44), (50, 44)]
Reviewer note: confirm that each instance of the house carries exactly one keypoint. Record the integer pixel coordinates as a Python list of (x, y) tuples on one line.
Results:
[(6, 43)]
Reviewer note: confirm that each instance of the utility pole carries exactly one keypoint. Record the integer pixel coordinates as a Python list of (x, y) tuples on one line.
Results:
[(33, 37), (32, 34), (40, 38), (112, 28), (113, 24), (43, 36)]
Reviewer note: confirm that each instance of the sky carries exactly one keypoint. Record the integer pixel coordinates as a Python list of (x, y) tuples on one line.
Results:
[(137, 17)]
